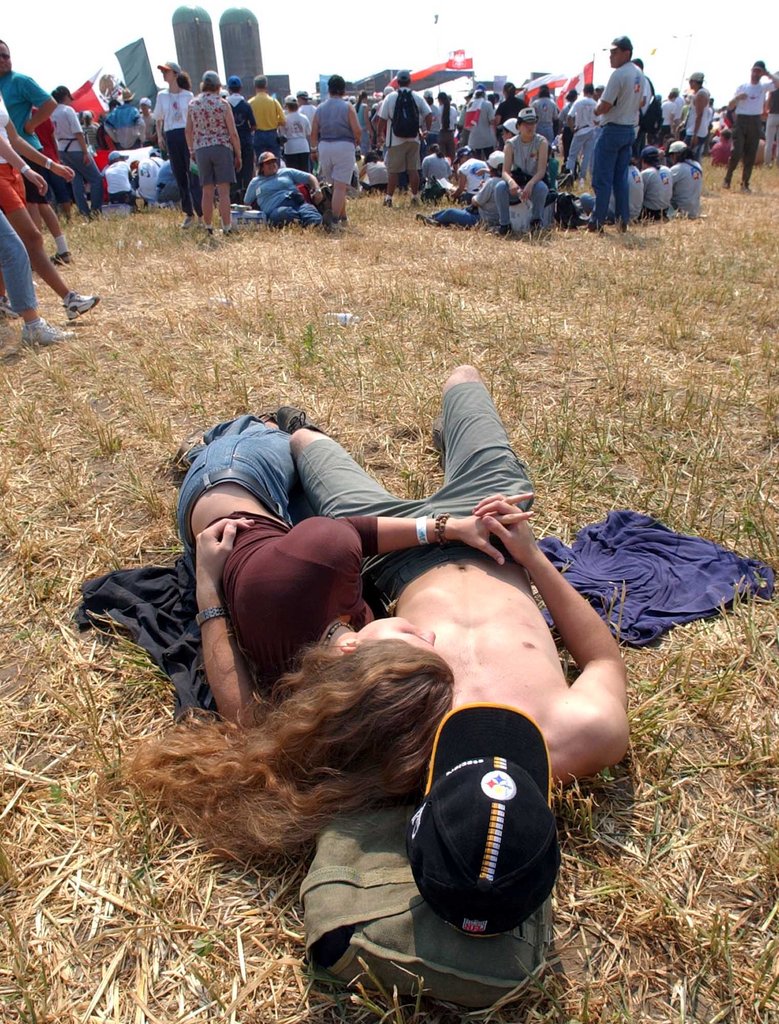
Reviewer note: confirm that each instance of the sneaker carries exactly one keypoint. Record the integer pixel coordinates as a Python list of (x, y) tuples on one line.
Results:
[(59, 259), (188, 222), (503, 230), (595, 228), (726, 184), (388, 200), (747, 189), (43, 334), (289, 419), (5, 308), (76, 305), (430, 221)]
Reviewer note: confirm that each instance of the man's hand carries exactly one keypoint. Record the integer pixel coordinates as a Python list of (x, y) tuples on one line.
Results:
[(500, 515), (475, 530), (213, 547), (86, 158), (63, 172)]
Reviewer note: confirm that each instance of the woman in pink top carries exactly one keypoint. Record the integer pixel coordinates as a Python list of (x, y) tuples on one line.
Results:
[(212, 137)]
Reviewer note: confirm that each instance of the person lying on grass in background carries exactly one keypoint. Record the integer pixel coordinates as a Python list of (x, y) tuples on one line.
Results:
[(489, 205), (332, 744)]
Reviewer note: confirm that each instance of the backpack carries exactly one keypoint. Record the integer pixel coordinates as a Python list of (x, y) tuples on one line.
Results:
[(366, 922), (652, 118), (405, 116), (432, 191), (568, 211)]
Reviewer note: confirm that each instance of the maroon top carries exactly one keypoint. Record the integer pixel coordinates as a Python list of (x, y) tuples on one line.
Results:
[(284, 586)]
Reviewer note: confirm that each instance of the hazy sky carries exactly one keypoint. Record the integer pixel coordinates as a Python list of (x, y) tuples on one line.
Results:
[(300, 38)]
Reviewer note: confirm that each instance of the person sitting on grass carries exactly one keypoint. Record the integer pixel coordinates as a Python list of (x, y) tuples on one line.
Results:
[(117, 179), (275, 192), (658, 187), (471, 174), (524, 167), (435, 165), (686, 178), (489, 205), (373, 173)]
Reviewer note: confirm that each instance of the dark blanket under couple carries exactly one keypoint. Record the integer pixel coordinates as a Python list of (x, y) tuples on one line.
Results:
[(454, 700)]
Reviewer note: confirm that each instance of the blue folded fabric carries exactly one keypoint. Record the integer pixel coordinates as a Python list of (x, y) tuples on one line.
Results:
[(643, 578)]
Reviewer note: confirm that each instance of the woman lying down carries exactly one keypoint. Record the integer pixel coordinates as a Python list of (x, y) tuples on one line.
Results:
[(324, 709)]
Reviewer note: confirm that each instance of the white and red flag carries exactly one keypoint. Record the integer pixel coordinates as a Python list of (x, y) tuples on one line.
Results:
[(87, 97)]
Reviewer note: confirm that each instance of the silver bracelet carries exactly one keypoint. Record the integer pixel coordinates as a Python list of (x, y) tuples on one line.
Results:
[(216, 612)]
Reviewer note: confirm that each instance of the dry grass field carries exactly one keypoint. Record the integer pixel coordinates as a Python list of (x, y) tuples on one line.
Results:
[(635, 371)]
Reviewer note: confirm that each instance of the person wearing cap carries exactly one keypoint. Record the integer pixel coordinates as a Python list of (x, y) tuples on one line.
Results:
[(170, 112), (147, 176), (297, 135), (305, 106), (212, 137), (275, 192), (581, 120), (402, 151), (335, 137), (748, 104), (489, 205), (658, 187), (483, 620), (480, 123), (471, 174), (525, 165), (618, 109), (243, 115), (74, 153), (117, 179), (699, 115), (124, 124), (686, 179), (269, 118)]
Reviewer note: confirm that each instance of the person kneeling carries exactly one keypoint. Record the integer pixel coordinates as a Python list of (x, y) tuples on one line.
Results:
[(658, 187)]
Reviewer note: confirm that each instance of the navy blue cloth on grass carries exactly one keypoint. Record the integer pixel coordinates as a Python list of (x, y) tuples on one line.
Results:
[(643, 579)]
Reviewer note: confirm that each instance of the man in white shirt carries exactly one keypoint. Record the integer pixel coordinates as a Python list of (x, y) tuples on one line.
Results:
[(696, 130), (748, 103), (618, 110), (581, 120), (403, 144)]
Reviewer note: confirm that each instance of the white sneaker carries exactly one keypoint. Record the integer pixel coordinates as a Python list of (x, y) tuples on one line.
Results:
[(188, 222), (43, 334), (5, 308), (76, 305)]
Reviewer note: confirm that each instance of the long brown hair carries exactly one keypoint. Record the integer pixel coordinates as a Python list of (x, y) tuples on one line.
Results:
[(342, 733)]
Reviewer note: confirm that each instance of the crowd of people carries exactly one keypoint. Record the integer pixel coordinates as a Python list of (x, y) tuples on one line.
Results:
[(511, 163)]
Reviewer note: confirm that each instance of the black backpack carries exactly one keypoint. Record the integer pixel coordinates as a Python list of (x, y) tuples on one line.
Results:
[(405, 116), (651, 120)]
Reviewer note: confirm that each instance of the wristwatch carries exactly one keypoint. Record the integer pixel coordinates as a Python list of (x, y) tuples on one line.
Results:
[(216, 612)]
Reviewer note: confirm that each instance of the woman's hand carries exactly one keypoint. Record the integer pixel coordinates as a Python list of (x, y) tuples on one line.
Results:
[(36, 180), (213, 547)]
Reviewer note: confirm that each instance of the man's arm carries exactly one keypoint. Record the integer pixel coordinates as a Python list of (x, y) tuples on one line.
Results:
[(226, 669), (314, 142), (700, 103), (44, 110)]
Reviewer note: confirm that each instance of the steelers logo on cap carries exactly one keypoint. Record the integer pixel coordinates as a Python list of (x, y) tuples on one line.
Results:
[(498, 786)]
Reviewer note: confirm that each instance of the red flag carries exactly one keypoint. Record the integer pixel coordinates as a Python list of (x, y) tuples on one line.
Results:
[(459, 62), (85, 97), (584, 77)]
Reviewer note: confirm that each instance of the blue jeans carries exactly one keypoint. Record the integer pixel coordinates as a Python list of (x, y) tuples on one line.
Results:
[(581, 145), (610, 171), (15, 265), (538, 202), (263, 141), (458, 218), (242, 451), (290, 213), (84, 173)]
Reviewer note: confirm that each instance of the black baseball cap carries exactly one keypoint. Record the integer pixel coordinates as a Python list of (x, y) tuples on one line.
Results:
[(483, 844), (622, 43)]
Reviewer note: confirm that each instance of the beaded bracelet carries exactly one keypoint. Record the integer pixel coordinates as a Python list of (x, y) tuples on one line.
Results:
[(440, 528)]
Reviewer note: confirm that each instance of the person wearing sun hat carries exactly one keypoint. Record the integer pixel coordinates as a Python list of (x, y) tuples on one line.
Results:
[(696, 129), (483, 843), (748, 104)]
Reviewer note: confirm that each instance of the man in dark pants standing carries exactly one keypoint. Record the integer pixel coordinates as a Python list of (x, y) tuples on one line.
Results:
[(748, 103)]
